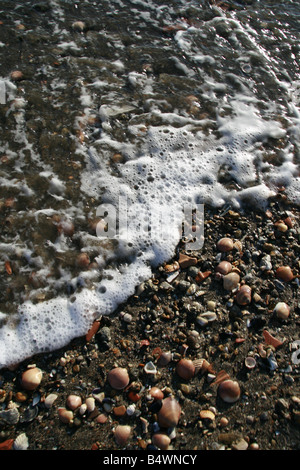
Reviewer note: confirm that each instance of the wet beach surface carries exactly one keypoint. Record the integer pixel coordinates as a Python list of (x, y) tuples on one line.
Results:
[(83, 83), (161, 319)]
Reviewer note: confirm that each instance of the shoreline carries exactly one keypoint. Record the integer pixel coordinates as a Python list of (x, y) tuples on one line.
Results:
[(166, 315)]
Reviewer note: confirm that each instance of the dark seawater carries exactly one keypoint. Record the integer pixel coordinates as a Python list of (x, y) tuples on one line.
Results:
[(141, 107)]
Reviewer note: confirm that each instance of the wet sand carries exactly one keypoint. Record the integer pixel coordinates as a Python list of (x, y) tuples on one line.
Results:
[(164, 317)]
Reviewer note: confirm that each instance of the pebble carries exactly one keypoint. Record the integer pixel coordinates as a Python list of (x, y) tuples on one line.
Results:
[(50, 399), (31, 378), (74, 402)]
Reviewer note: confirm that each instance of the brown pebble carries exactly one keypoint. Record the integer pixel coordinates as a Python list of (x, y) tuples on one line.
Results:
[(186, 261), (21, 397), (284, 273), (119, 410), (101, 418)]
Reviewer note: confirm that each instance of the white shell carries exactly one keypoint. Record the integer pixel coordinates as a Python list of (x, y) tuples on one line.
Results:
[(150, 368), (21, 442)]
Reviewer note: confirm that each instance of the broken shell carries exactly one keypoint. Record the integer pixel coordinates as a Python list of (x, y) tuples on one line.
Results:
[(160, 440), (250, 362), (170, 268), (169, 414), (150, 368), (224, 267), (202, 365), (284, 273), (225, 245), (229, 391), (271, 340), (65, 416), (73, 402), (122, 434), (31, 378), (207, 414), (205, 318), (185, 368), (164, 358), (231, 281), (118, 378), (243, 296), (282, 310)]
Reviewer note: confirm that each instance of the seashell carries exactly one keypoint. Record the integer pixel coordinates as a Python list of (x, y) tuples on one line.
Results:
[(65, 416), (282, 310), (207, 414), (243, 296), (156, 393), (284, 273), (250, 362), (169, 414), (224, 267), (170, 268), (131, 409), (29, 414), (160, 440), (225, 244), (229, 391), (118, 378), (150, 368), (122, 434), (238, 246), (231, 281), (21, 442), (165, 358), (31, 378), (74, 402), (272, 361), (202, 365), (206, 318), (185, 368), (10, 416)]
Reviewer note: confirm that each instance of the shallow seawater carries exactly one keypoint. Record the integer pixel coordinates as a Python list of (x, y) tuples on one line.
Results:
[(137, 113)]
